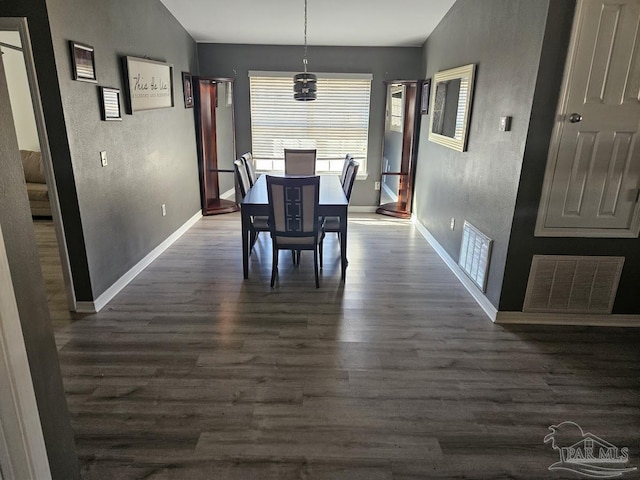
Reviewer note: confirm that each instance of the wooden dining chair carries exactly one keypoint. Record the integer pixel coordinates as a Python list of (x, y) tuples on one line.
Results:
[(299, 162), (258, 223), (332, 224), (347, 160), (293, 214), (247, 158)]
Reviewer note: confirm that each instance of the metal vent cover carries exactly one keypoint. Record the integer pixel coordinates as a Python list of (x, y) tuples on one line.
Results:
[(572, 284), (475, 252)]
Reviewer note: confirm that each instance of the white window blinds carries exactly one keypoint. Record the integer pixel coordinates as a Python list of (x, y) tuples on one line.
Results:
[(335, 124)]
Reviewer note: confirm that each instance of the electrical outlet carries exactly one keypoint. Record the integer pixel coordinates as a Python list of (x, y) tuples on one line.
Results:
[(103, 158), (164, 210), (377, 186), (453, 223)]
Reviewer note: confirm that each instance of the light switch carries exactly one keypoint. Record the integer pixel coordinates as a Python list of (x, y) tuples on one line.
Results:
[(505, 124), (103, 158)]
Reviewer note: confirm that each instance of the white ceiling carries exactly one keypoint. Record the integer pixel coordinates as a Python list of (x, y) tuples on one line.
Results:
[(398, 23)]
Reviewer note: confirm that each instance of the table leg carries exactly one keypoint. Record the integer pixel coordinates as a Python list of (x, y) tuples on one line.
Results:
[(343, 243), (246, 230)]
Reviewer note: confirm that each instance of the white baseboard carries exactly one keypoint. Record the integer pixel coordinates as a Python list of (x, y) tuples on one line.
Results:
[(113, 290), (479, 297), (391, 193), (229, 194), (525, 318), (594, 320)]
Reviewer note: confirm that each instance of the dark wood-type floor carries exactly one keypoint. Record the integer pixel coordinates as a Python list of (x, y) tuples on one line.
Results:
[(193, 373)]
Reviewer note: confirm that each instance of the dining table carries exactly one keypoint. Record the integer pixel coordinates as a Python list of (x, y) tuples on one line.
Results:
[(332, 203)]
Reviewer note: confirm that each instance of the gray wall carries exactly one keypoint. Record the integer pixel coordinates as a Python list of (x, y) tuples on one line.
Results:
[(504, 39), (523, 244), (235, 61), (17, 228), (152, 154)]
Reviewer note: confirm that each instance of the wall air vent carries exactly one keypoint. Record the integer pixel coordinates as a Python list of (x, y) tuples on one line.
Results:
[(475, 252), (571, 284)]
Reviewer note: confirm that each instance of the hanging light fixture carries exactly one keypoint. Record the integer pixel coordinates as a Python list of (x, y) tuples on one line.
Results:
[(304, 84)]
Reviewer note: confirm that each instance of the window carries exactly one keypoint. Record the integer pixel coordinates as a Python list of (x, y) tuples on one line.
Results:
[(335, 124)]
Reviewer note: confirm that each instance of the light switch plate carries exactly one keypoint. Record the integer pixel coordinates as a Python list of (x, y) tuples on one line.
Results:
[(103, 158), (505, 124)]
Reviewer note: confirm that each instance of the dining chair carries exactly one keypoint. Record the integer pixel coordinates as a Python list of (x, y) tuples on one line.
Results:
[(299, 162), (332, 224), (247, 158), (293, 213), (258, 223), (345, 166)]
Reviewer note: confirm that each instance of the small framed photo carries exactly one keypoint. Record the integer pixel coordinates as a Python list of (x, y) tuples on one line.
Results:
[(426, 92), (187, 86), (110, 103), (84, 64)]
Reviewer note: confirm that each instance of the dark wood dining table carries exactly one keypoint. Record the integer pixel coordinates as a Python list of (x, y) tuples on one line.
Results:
[(333, 203)]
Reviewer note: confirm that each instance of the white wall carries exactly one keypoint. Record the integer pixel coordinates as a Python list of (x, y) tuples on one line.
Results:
[(18, 85)]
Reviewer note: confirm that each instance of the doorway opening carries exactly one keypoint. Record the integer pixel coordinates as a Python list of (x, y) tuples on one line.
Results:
[(28, 116)]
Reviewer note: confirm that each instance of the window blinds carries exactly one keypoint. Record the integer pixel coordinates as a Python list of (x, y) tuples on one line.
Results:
[(335, 124)]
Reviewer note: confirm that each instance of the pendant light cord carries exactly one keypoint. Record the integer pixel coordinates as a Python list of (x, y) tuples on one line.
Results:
[(304, 60)]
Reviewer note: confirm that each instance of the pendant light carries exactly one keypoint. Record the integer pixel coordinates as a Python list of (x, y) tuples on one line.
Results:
[(304, 84)]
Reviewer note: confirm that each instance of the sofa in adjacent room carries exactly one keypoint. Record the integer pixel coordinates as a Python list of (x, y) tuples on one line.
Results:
[(36, 183)]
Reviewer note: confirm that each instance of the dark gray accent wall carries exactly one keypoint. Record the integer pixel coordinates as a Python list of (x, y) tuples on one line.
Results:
[(523, 244), (152, 154), (504, 39), (235, 61), (28, 284)]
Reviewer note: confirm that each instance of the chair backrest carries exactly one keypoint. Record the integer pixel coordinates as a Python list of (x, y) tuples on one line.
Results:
[(350, 177), (299, 162), (242, 177), (293, 206), (251, 170), (347, 160)]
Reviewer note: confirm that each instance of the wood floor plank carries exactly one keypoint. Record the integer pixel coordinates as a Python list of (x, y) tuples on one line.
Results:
[(192, 372)]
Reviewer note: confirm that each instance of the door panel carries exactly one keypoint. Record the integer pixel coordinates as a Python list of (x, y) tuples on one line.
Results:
[(592, 187)]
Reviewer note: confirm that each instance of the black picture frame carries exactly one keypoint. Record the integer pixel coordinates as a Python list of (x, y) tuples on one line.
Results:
[(110, 103), (84, 63), (187, 88), (426, 93)]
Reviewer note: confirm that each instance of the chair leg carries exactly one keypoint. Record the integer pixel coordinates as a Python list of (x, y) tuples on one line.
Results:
[(274, 267), (298, 258), (320, 246), (254, 237), (293, 256), (315, 265)]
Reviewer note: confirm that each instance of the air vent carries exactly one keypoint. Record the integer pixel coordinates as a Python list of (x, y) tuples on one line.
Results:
[(569, 284), (475, 252)]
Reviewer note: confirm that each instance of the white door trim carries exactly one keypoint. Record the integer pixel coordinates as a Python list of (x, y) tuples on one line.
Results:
[(540, 229), (25, 456), (20, 25)]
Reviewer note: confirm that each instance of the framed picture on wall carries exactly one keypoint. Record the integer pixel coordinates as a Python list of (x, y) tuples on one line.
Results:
[(187, 87), (110, 103), (149, 84), (84, 64), (426, 92)]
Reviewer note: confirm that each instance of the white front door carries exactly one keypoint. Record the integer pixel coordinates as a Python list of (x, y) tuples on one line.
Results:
[(593, 172)]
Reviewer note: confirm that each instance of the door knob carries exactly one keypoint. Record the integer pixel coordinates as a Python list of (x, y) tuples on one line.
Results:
[(575, 118)]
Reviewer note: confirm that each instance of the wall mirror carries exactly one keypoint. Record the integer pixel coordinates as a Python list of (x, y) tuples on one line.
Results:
[(451, 96)]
